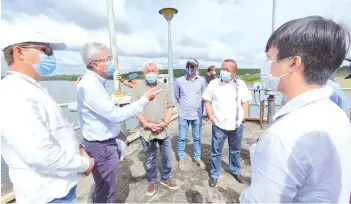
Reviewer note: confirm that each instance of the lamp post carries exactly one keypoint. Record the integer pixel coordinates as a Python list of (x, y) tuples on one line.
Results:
[(271, 94), (168, 14), (113, 44)]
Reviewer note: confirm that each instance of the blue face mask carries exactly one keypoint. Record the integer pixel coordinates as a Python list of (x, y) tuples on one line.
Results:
[(225, 76), (190, 71), (151, 78), (46, 66), (111, 68)]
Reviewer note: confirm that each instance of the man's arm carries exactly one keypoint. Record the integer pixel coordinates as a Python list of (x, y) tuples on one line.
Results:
[(246, 98), (207, 96), (35, 145), (246, 109), (127, 83), (176, 91), (277, 172), (95, 97)]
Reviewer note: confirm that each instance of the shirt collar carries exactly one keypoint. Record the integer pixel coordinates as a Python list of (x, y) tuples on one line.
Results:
[(303, 100), (186, 77), (232, 81), (25, 77), (101, 79)]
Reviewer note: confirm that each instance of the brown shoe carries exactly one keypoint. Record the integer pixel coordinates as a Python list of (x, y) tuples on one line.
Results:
[(171, 184), (200, 163), (150, 191), (181, 164)]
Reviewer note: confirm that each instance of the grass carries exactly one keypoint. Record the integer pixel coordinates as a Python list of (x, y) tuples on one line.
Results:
[(344, 83)]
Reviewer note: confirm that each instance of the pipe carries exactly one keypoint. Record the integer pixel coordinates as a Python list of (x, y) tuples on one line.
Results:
[(113, 42)]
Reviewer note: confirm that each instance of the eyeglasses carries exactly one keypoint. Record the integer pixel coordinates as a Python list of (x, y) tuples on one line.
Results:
[(47, 51), (109, 58)]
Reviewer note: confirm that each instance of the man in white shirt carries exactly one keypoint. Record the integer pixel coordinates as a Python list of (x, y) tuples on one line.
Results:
[(38, 144), (227, 104), (99, 119), (304, 156)]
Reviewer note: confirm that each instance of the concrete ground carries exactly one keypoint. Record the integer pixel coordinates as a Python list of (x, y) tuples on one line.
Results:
[(193, 181)]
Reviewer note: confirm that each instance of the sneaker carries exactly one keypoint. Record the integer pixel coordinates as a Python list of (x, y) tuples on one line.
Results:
[(181, 164), (200, 163), (150, 191), (171, 184), (121, 148)]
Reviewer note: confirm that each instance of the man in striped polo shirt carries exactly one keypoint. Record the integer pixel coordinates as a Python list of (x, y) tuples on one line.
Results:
[(227, 103)]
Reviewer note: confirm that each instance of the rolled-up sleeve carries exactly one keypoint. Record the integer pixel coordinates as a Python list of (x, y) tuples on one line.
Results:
[(95, 98), (34, 144)]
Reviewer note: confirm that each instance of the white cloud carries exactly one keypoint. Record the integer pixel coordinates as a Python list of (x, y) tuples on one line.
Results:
[(209, 30)]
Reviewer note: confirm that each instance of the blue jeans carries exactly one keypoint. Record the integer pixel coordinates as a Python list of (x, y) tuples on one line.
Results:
[(234, 140), (150, 153), (71, 197), (183, 132)]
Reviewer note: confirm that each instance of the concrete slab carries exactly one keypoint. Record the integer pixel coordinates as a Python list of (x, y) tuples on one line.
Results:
[(193, 181)]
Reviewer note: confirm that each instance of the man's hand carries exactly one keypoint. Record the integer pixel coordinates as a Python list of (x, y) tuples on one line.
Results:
[(154, 127), (151, 94), (162, 124), (119, 77), (84, 153)]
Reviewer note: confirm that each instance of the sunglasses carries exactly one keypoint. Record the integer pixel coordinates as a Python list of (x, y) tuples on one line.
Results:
[(191, 66), (47, 51)]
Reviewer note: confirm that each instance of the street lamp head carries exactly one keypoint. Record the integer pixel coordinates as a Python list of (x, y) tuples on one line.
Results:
[(168, 13)]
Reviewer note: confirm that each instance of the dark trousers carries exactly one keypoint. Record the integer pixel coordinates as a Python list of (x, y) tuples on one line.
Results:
[(105, 170)]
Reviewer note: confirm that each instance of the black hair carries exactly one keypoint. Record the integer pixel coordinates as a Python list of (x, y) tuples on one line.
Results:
[(321, 43)]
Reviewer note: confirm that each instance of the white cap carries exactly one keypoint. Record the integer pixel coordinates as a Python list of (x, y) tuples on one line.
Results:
[(36, 37)]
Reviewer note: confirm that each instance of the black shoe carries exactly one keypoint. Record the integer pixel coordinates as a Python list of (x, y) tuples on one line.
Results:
[(212, 182), (239, 178)]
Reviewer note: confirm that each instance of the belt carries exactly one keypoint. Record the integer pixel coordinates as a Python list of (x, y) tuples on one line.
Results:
[(102, 141)]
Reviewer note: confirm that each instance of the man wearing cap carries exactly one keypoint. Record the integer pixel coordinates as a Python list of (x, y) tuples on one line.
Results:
[(99, 118), (227, 105), (38, 144), (133, 79), (188, 94)]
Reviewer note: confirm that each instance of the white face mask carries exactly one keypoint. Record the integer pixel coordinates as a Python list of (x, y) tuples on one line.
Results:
[(214, 73), (269, 81)]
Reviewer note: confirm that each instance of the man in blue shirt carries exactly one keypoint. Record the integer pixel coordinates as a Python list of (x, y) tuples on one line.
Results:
[(188, 92), (99, 119)]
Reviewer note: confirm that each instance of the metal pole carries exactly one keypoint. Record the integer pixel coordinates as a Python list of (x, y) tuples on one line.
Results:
[(273, 15), (271, 98), (113, 42), (170, 63)]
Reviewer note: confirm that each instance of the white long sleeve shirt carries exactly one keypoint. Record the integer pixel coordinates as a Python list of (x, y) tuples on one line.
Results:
[(37, 143), (304, 156), (98, 116)]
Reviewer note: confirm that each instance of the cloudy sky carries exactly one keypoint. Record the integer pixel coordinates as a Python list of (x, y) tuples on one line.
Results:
[(208, 30)]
